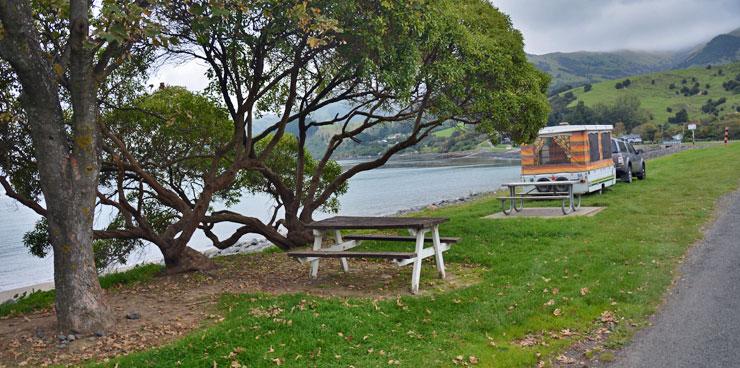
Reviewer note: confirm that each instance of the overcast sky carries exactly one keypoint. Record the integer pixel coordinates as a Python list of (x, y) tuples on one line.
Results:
[(575, 25), (603, 25)]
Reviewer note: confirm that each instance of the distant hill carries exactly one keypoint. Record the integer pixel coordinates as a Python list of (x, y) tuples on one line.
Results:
[(720, 50), (578, 68), (690, 89)]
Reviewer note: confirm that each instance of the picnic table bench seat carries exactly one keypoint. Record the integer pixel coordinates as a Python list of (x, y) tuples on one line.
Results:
[(380, 237), (536, 197), (335, 254)]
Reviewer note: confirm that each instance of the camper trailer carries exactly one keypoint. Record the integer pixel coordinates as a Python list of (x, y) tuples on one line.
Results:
[(580, 153)]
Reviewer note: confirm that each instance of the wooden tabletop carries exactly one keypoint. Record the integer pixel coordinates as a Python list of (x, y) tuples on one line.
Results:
[(355, 222)]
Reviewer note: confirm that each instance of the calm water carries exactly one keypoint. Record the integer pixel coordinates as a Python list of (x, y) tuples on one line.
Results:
[(378, 192)]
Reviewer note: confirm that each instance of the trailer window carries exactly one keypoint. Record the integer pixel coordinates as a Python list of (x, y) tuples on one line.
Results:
[(606, 145), (552, 150), (593, 146)]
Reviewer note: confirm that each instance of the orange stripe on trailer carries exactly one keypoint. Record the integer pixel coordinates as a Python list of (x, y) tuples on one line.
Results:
[(564, 168)]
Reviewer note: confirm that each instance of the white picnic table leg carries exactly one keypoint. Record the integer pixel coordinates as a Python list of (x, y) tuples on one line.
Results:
[(416, 273), (317, 240), (342, 261), (438, 251)]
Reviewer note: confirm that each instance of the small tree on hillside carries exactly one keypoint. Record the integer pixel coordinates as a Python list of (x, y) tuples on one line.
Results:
[(681, 116)]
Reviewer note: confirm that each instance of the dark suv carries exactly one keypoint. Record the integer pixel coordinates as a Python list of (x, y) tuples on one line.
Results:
[(627, 160)]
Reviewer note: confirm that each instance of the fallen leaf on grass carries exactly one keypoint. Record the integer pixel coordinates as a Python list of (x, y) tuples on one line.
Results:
[(549, 302), (584, 291), (556, 312), (567, 332), (562, 359), (528, 340), (608, 317)]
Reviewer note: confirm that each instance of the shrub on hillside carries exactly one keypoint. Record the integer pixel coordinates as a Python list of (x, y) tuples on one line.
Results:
[(732, 85), (680, 117)]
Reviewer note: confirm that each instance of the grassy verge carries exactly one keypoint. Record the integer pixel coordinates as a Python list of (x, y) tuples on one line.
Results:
[(45, 299), (542, 276)]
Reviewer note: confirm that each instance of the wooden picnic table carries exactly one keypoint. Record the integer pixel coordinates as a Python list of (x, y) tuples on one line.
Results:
[(573, 199), (417, 227)]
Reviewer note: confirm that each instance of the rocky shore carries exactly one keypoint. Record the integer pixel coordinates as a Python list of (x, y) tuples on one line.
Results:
[(247, 247), (443, 203)]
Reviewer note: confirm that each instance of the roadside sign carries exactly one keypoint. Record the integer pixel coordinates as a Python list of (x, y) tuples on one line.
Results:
[(692, 126)]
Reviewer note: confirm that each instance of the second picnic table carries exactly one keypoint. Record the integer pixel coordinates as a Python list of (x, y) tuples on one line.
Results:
[(543, 190), (417, 227)]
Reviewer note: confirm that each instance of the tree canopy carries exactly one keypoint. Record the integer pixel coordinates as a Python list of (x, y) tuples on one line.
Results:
[(168, 157)]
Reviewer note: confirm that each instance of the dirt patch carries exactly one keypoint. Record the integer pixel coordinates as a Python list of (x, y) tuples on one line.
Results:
[(168, 307)]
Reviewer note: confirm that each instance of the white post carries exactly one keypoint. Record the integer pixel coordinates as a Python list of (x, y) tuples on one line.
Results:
[(438, 251), (342, 261), (317, 240), (416, 273)]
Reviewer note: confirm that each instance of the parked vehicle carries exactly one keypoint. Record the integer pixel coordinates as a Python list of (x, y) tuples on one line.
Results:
[(579, 153), (631, 138), (627, 160)]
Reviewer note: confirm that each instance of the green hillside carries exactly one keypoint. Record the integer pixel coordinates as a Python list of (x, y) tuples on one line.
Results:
[(656, 95)]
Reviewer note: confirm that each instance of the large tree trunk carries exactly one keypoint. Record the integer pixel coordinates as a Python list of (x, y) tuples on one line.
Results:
[(79, 303), (185, 259), (69, 181), (67, 163)]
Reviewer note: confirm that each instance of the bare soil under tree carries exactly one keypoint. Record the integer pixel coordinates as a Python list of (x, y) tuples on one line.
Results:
[(173, 305)]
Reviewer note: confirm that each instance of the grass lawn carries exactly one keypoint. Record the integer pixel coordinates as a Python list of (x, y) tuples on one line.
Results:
[(45, 299), (625, 257)]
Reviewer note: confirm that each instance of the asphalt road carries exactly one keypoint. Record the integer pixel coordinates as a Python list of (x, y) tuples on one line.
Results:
[(699, 325)]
